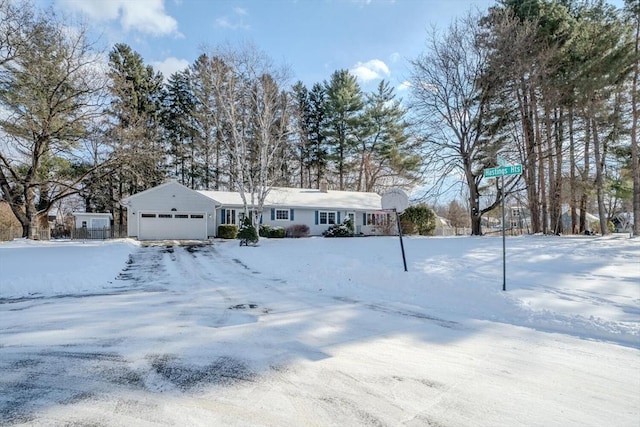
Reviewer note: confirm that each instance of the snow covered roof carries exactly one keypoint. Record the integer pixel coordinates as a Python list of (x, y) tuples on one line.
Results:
[(93, 214), (304, 198)]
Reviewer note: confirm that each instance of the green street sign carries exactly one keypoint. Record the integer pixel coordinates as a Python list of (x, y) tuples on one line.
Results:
[(503, 170)]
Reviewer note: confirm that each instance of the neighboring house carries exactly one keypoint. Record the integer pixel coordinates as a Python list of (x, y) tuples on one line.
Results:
[(93, 224), (443, 227), (623, 222), (173, 211), (92, 219), (592, 223), (55, 218)]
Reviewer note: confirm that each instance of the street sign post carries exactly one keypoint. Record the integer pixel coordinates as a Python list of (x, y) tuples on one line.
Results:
[(502, 171)]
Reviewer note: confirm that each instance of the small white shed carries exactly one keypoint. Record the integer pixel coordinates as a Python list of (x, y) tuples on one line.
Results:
[(92, 225), (93, 220)]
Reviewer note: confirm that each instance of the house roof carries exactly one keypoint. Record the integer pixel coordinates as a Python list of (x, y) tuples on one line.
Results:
[(304, 198), (171, 183), (286, 197), (93, 214)]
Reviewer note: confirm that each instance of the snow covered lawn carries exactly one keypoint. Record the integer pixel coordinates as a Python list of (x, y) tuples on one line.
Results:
[(324, 332)]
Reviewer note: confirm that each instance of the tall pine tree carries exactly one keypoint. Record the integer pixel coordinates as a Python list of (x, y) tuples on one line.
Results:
[(344, 124)]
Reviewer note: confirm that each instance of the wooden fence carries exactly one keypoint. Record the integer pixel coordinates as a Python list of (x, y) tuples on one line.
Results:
[(116, 232)]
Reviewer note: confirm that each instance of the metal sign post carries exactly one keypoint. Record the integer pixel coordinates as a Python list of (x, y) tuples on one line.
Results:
[(501, 171), (404, 259), (396, 200), (504, 240)]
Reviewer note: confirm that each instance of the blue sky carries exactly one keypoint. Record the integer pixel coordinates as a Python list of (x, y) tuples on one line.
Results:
[(374, 39)]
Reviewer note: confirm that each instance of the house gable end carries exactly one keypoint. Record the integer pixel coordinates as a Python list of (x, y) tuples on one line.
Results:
[(168, 196)]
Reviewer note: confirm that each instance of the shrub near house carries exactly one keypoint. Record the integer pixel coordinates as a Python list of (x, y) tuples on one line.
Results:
[(298, 230), (418, 219), (227, 231), (272, 232), (340, 230)]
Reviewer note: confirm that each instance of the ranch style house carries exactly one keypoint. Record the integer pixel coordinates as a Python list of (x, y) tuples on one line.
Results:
[(172, 211)]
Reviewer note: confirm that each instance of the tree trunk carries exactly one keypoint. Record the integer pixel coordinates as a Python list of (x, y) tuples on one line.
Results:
[(585, 184), (474, 197), (120, 197), (556, 194), (530, 159), (476, 217), (635, 160), (573, 197), (599, 159), (550, 136), (541, 168)]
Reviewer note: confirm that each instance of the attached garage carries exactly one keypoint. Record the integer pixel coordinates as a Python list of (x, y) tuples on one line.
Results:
[(172, 226), (170, 211)]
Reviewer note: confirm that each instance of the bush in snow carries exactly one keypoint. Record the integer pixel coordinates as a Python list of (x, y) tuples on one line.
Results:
[(418, 218), (227, 231), (247, 233), (264, 230), (298, 230), (340, 230), (271, 232)]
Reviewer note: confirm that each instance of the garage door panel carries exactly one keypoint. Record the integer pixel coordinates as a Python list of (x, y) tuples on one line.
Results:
[(172, 226)]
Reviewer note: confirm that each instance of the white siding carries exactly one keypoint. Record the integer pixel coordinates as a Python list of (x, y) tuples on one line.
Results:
[(91, 219), (308, 217), (166, 198)]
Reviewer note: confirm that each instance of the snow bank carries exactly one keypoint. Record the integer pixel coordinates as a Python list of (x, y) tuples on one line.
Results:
[(43, 268)]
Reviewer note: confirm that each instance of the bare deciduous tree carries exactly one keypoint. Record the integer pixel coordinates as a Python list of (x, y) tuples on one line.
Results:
[(253, 111), (50, 92), (452, 106)]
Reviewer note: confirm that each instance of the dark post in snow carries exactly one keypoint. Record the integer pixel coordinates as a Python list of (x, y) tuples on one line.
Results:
[(397, 201), (404, 259), (504, 247)]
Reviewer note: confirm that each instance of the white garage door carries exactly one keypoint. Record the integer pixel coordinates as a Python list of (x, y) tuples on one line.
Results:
[(172, 226)]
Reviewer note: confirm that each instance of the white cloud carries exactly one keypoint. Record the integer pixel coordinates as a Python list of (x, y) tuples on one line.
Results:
[(361, 3), (405, 85), (240, 11), (146, 16), (224, 22), (370, 70), (170, 65), (234, 24)]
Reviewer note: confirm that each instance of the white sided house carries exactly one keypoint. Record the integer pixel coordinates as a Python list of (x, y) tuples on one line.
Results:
[(173, 211), (92, 220), (93, 225), (170, 211)]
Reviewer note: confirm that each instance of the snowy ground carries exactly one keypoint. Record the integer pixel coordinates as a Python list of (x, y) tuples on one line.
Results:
[(321, 332)]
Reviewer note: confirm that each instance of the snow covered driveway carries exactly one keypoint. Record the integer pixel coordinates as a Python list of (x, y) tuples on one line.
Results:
[(221, 335)]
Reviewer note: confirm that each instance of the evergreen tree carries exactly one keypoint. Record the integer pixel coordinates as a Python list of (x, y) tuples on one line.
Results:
[(344, 124), (302, 124), (632, 11), (318, 151), (177, 120), (205, 74), (388, 156), (136, 93)]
